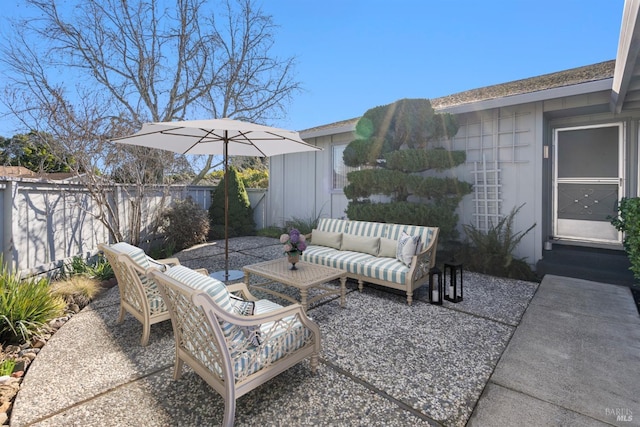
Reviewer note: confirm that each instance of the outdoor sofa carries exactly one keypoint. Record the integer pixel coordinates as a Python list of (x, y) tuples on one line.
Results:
[(228, 337), (392, 255)]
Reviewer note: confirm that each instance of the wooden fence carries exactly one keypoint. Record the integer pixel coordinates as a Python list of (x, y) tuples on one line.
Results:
[(45, 223)]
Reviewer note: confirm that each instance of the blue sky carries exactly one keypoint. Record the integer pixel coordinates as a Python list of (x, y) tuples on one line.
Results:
[(357, 54), (353, 55)]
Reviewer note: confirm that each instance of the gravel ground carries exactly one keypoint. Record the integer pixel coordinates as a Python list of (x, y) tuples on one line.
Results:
[(382, 362)]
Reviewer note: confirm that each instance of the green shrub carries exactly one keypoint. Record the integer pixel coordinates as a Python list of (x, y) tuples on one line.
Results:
[(303, 225), (165, 250), (77, 265), (101, 269), (440, 215), (628, 221), (25, 306), (398, 143), (241, 221), (185, 224), (491, 252), (7, 366)]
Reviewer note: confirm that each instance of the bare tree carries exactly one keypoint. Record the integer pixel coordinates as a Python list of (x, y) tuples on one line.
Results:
[(97, 69)]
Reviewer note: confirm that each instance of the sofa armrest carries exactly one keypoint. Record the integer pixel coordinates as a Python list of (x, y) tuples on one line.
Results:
[(423, 262)]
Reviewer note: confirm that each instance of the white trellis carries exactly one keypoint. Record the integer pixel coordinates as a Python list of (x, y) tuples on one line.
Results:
[(487, 194)]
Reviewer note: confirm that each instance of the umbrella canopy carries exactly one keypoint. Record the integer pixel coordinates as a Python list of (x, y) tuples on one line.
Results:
[(219, 136), (210, 136)]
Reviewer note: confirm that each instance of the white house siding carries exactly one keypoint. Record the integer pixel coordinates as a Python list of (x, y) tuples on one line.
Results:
[(300, 185), (499, 139), (292, 187), (504, 158), (506, 147)]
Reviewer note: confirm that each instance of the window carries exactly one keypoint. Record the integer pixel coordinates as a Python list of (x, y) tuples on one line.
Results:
[(340, 171)]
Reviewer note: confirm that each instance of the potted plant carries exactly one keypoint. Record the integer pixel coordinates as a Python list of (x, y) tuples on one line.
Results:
[(294, 244)]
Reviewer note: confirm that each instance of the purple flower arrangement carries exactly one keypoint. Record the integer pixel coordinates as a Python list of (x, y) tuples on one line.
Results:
[(294, 242)]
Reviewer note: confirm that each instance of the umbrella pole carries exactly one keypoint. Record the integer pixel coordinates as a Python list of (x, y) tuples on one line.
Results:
[(226, 206), (226, 275)]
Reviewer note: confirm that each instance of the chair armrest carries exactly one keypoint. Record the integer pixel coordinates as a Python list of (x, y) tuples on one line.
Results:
[(258, 319)]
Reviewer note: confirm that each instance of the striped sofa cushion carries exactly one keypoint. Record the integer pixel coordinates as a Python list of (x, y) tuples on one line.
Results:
[(388, 269), (367, 229), (345, 260), (333, 225), (315, 254)]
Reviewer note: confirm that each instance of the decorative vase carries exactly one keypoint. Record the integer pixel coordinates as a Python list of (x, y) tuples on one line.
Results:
[(293, 259)]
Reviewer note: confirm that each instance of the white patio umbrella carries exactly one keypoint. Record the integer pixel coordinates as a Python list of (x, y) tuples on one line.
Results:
[(219, 136)]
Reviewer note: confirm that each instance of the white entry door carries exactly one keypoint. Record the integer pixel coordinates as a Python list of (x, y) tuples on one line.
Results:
[(588, 182)]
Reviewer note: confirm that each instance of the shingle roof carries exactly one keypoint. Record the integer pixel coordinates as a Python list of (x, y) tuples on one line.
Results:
[(588, 73), (16, 172), (22, 172), (574, 76)]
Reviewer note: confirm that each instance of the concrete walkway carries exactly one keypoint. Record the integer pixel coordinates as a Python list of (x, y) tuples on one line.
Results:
[(572, 358)]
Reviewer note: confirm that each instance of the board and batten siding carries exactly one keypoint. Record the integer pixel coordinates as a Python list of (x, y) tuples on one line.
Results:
[(504, 163), (505, 147), (300, 185)]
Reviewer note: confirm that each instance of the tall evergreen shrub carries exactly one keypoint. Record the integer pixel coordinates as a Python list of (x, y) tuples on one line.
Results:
[(241, 221), (401, 151)]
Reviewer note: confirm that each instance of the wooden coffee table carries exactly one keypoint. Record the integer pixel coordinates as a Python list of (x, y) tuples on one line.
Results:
[(306, 276)]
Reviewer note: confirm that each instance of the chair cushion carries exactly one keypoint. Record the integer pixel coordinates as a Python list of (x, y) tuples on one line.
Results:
[(246, 308), (216, 290), (136, 254)]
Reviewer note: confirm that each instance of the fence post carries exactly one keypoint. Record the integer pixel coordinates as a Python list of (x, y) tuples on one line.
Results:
[(7, 224)]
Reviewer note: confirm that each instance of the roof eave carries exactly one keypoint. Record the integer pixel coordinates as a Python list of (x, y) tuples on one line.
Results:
[(347, 127), (525, 98), (628, 49)]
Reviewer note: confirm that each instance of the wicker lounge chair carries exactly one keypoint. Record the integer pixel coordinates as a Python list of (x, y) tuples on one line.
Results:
[(139, 294), (233, 350)]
